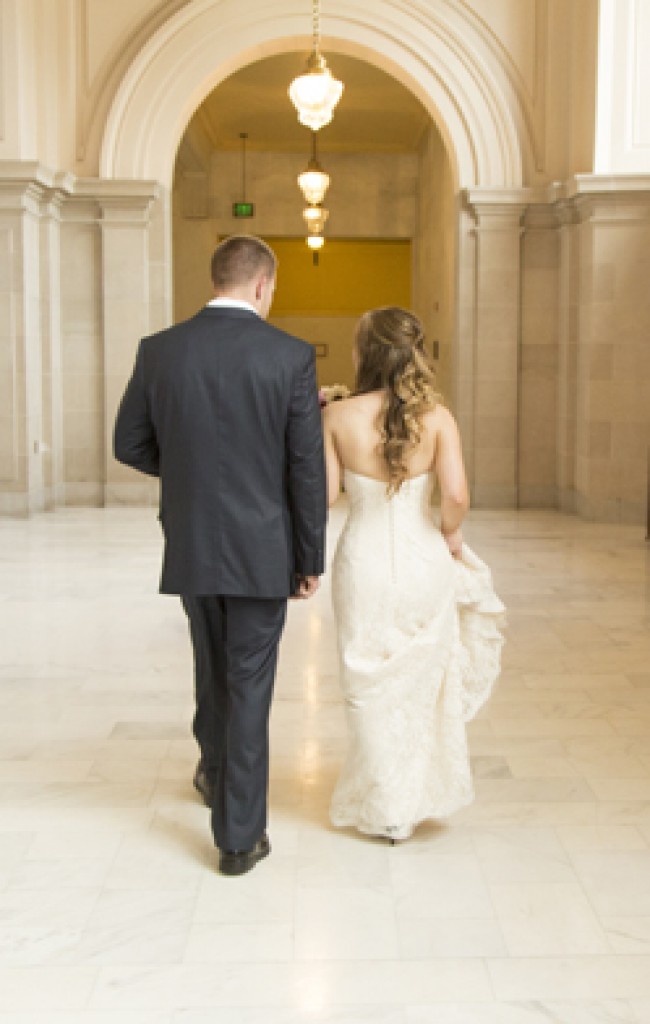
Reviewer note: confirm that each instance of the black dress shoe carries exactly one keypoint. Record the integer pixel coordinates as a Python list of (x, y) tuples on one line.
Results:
[(239, 862), (203, 785)]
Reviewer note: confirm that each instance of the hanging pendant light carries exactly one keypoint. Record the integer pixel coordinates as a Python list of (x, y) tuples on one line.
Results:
[(314, 181), (315, 242), (315, 93), (315, 218)]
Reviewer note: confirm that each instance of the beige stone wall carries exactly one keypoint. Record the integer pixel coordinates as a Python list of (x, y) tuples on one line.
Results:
[(613, 358), (434, 254), (584, 419)]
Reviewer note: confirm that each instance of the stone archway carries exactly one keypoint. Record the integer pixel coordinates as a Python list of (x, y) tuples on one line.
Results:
[(433, 52), (443, 55)]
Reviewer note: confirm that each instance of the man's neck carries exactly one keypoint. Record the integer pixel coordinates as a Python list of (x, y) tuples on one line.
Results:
[(235, 302)]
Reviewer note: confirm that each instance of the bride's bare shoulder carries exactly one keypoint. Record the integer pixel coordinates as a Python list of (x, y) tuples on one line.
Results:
[(439, 417), (344, 409), (334, 413)]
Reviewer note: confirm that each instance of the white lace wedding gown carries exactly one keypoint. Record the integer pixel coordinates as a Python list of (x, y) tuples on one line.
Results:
[(419, 646)]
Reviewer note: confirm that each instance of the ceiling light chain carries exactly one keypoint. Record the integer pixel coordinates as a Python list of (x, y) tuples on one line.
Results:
[(316, 25), (243, 136)]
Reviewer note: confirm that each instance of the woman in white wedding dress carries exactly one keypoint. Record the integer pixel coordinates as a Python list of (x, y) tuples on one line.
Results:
[(417, 618)]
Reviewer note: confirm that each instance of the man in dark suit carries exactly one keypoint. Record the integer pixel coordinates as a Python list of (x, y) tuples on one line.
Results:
[(224, 409)]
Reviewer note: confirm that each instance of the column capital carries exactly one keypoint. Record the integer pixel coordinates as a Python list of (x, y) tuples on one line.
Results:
[(26, 184), (496, 209), (607, 198), (25, 172), (120, 202), (23, 184), (566, 214)]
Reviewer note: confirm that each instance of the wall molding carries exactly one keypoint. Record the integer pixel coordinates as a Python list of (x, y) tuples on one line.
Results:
[(530, 104)]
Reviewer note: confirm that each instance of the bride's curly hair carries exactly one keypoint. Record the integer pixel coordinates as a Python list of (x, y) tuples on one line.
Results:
[(392, 357)]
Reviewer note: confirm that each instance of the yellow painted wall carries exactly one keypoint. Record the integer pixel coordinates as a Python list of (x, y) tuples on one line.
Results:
[(352, 275), (323, 303), (336, 332)]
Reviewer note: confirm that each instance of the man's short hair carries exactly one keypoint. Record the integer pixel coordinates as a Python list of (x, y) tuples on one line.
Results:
[(239, 259)]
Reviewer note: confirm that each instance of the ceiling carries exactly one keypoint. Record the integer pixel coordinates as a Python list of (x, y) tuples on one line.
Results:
[(375, 114)]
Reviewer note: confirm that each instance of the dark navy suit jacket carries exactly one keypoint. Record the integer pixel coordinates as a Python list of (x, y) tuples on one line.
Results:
[(224, 409)]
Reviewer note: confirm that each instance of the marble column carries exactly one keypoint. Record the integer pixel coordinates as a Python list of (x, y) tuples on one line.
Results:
[(50, 330), (567, 383), (22, 444), (126, 303), (538, 363), (464, 348), (492, 272)]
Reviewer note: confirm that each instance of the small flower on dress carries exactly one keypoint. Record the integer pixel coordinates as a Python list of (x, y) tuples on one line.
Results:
[(332, 393)]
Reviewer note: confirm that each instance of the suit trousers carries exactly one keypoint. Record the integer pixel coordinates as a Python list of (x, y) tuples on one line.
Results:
[(235, 641)]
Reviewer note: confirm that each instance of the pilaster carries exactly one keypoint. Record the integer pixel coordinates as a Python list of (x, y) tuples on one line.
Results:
[(125, 224), (568, 323), (51, 447), (75, 296), (539, 359), (22, 478), (492, 367)]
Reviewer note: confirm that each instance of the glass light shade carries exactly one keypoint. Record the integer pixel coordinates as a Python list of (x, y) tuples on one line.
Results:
[(316, 93), (316, 218), (315, 242), (314, 183)]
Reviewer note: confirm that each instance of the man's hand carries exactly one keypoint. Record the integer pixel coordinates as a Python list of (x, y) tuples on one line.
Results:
[(307, 587)]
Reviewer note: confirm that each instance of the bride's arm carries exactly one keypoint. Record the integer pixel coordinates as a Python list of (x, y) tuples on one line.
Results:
[(332, 462), (453, 482)]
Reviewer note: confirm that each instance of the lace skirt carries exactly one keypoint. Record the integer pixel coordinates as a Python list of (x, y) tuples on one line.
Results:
[(418, 658)]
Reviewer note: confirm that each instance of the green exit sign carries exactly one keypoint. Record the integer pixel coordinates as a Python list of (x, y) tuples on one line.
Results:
[(243, 209)]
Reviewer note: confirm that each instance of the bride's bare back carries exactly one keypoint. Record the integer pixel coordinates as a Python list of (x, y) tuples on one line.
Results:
[(352, 430)]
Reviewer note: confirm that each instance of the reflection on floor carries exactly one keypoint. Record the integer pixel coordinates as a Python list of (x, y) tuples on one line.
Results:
[(531, 906)]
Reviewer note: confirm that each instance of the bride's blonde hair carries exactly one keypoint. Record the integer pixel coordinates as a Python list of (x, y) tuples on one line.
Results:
[(392, 357)]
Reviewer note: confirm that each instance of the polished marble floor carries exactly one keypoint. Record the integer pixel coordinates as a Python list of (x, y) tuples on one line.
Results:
[(530, 907)]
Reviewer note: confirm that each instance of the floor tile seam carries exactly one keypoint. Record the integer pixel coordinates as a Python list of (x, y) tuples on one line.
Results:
[(593, 907), (496, 918)]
